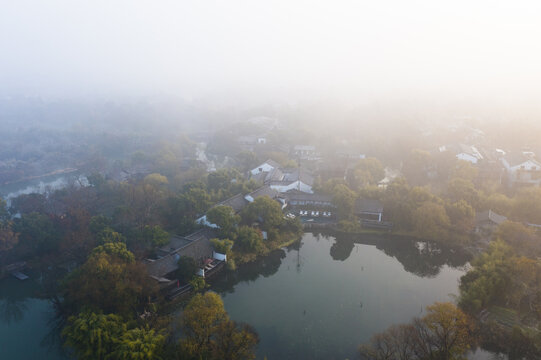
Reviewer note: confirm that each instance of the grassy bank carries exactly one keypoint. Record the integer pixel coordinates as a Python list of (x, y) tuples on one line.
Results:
[(285, 239)]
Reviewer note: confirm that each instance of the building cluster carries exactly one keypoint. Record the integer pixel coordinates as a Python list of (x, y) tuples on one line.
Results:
[(513, 169)]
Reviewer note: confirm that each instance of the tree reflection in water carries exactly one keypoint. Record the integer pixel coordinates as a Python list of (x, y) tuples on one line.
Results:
[(424, 259), (18, 299), (263, 266), (13, 301), (12, 310)]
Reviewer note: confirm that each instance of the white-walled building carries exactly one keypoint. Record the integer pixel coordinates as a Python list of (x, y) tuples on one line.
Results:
[(283, 179), (521, 169), (267, 166)]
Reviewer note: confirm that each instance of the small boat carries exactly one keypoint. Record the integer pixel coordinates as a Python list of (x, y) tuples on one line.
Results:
[(19, 275)]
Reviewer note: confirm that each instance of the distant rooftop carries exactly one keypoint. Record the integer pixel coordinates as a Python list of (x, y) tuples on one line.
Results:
[(237, 202), (264, 191), (489, 215), (517, 158)]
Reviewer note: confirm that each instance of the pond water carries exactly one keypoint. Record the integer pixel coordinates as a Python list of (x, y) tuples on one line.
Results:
[(26, 323), (318, 299), (323, 297)]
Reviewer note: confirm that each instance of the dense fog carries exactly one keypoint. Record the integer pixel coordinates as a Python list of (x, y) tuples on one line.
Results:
[(251, 52)]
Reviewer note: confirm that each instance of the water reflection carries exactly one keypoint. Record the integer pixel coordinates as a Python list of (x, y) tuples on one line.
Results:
[(27, 311), (13, 302), (263, 266), (424, 259), (341, 249), (322, 297), (12, 310)]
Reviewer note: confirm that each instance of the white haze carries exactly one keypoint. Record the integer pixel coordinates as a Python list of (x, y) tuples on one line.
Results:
[(291, 50)]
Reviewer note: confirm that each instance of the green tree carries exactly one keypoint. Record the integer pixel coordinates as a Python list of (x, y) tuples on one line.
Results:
[(344, 200), (4, 213), (108, 235), (398, 204), (8, 238), (328, 186), (235, 342), (182, 210), (445, 333), (139, 344), (96, 180), (93, 336), (201, 320), (462, 216), (197, 200), (527, 205), (38, 233), (155, 236), (198, 283), (210, 334), (249, 240), (367, 172), (264, 210), (431, 221), (116, 249), (98, 224), (465, 170), (28, 203), (499, 203), (222, 179), (450, 331), (224, 217), (417, 166), (156, 180), (521, 238), (109, 281), (489, 278), (460, 189), (247, 160), (223, 246)]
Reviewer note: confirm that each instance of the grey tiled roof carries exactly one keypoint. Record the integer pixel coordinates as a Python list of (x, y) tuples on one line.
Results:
[(237, 202), (264, 191), (301, 174), (196, 245)]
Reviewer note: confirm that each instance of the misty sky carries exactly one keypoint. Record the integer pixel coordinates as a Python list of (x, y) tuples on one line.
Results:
[(296, 49)]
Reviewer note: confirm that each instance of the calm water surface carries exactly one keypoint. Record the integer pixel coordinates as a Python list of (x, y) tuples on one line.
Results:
[(26, 330), (323, 297), (318, 299)]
